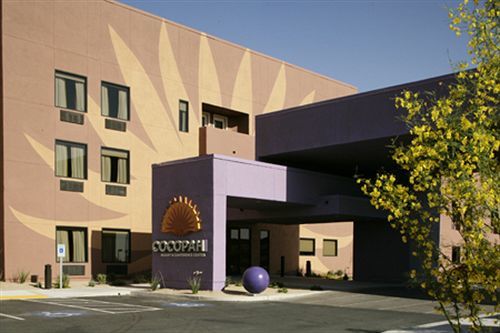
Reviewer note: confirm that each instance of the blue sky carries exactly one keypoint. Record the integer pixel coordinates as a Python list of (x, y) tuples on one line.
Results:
[(369, 44)]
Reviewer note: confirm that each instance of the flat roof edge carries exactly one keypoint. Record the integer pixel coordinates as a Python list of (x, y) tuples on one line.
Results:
[(408, 85), (179, 25)]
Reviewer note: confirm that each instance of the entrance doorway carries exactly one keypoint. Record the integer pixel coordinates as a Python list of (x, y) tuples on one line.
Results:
[(238, 251), (264, 249)]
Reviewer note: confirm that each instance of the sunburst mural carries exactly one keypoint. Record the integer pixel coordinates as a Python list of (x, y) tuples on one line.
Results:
[(158, 79), (182, 217)]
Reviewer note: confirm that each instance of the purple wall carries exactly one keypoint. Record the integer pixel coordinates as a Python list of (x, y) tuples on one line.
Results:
[(213, 181)]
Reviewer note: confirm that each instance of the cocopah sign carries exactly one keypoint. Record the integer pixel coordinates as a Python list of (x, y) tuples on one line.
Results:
[(181, 218)]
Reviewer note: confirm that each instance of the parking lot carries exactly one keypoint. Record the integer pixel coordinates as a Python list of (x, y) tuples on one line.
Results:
[(331, 311)]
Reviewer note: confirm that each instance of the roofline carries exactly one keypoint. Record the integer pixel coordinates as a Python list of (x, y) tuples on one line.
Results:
[(408, 85), (137, 10)]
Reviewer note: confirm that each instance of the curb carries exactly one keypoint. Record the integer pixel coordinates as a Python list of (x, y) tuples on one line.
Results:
[(63, 293), (239, 298)]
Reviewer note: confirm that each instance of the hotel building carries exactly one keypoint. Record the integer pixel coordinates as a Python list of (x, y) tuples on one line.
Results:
[(95, 92)]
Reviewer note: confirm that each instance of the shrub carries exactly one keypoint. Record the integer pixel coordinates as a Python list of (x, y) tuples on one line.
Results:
[(283, 290), (21, 277), (65, 281), (140, 278), (92, 283), (195, 281), (155, 283), (118, 283), (101, 278), (276, 284)]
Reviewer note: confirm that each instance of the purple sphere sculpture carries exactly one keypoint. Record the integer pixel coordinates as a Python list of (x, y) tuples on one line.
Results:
[(255, 279)]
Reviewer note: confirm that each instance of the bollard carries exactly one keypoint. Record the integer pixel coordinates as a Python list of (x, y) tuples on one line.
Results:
[(308, 268), (282, 268), (48, 276)]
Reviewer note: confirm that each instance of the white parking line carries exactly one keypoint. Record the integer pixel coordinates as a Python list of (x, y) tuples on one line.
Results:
[(11, 317), (98, 306), (404, 306), (365, 302)]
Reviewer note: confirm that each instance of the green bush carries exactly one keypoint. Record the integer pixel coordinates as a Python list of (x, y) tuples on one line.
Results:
[(101, 278), (140, 278), (65, 281), (118, 283), (195, 281), (155, 283), (283, 290), (92, 283), (276, 285), (21, 276)]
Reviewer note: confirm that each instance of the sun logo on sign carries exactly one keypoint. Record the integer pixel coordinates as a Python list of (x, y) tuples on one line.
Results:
[(181, 217)]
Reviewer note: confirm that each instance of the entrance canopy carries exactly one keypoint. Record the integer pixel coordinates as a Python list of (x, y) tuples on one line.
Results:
[(224, 188)]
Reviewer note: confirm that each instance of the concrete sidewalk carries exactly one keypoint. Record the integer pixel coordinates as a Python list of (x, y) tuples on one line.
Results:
[(295, 287), (13, 291)]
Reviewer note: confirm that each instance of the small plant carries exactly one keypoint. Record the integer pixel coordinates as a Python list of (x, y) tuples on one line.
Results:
[(157, 281), (21, 277), (101, 278), (140, 278), (229, 281), (316, 287), (283, 290), (238, 283), (195, 281), (118, 283), (276, 285), (92, 283), (65, 281)]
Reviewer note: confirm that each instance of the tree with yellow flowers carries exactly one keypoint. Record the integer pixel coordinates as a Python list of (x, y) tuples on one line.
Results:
[(451, 168)]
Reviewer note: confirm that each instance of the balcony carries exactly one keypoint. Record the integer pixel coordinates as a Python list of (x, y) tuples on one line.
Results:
[(226, 142)]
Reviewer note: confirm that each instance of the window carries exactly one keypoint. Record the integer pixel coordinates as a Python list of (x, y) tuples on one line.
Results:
[(330, 247), (455, 254), (115, 101), (115, 166), (71, 160), (307, 246), (220, 121), (115, 246), (205, 119), (70, 91), (183, 116), (75, 241)]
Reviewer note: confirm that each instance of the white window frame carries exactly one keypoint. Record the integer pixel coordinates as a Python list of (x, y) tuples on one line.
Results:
[(223, 119)]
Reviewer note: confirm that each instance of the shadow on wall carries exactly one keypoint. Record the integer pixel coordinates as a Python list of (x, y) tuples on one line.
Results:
[(140, 258), (379, 253)]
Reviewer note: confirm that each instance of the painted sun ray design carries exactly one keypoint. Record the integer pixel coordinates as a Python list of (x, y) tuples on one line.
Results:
[(148, 105), (242, 91), (39, 225), (309, 98), (47, 155), (276, 100), (134, 140), (208, 78), (173, 84)]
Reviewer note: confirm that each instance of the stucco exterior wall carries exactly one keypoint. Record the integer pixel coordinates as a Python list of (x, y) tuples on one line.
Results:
[(343, 232), (161, 62)]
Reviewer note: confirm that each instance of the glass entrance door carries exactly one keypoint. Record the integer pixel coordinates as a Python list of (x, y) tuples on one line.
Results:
[(238, 251), (264, 249)]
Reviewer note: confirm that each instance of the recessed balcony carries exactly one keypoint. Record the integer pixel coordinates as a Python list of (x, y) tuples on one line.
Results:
[(226, 142)]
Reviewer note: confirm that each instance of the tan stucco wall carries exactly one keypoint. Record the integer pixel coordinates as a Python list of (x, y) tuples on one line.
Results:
[(343, 232), (161, 62)]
